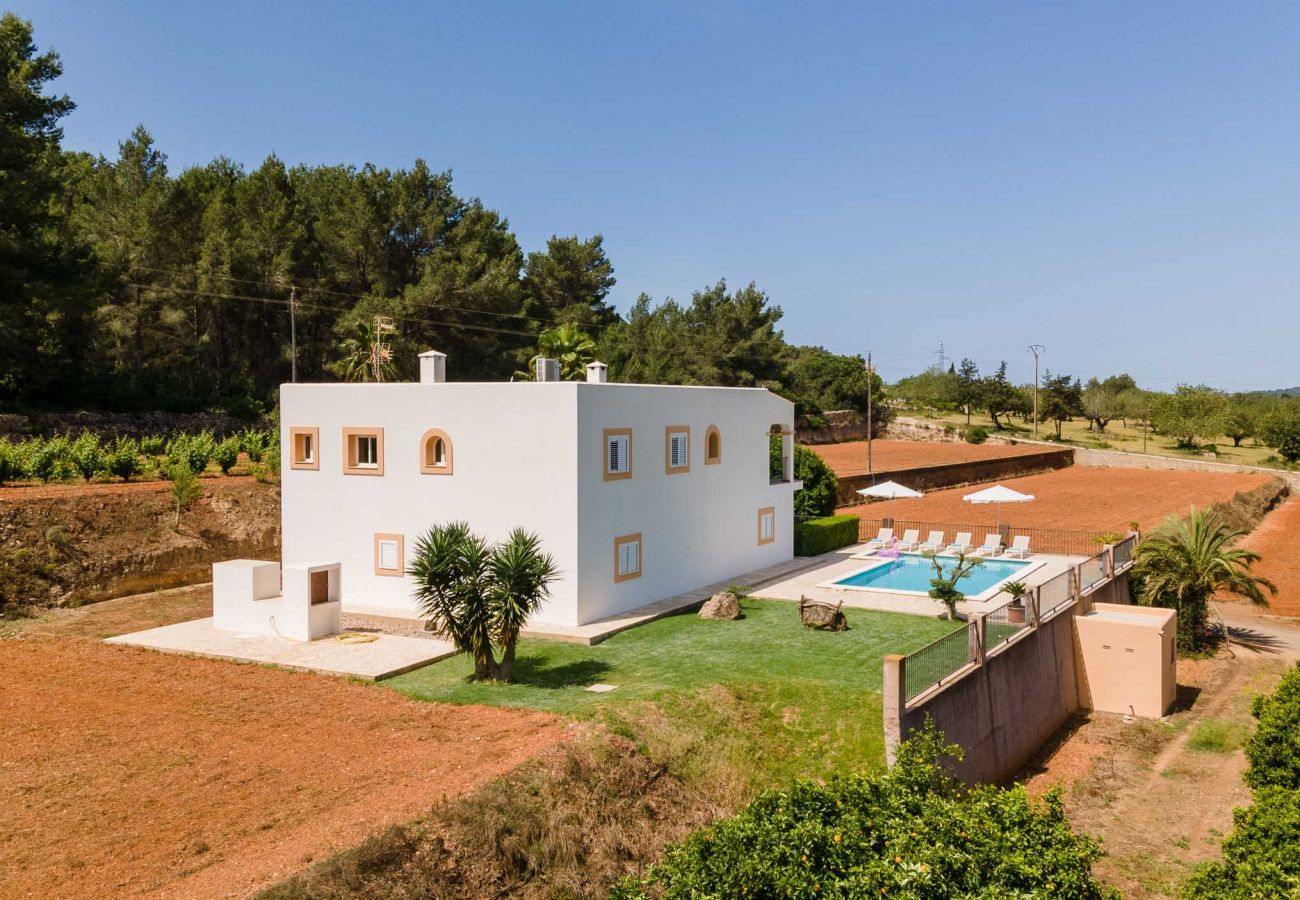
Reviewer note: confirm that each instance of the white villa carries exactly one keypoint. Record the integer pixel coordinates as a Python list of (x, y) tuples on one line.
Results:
[(640, 492)]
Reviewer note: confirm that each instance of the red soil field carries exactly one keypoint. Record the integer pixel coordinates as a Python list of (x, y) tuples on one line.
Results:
[(1078, 498), (1277, 541), (851, 458), (133, 772)]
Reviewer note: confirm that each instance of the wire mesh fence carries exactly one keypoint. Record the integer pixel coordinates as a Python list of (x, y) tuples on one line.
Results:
[(1041, 540), (937, 661), (1004, 623)]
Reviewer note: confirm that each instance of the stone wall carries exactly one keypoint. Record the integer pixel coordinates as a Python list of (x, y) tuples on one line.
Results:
[(1124, 460), (842, 426), (949, 475)]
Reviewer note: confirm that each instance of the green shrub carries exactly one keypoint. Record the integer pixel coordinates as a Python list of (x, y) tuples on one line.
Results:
[(186, 488), (1261, 858), (86, 455), (976, 434), (816, 536), (820, 486), (153, 445), (123, 459), (11, 464), (226, 454), (1274, 749), (913, 831), (191, 450), (43, 458), (253, 442)]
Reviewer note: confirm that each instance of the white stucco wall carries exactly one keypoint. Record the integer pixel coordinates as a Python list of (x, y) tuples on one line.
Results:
[(697, 527), (532, 456), (513, 466)]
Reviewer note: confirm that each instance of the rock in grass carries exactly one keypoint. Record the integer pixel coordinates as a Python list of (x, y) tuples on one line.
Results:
[(722, 605)]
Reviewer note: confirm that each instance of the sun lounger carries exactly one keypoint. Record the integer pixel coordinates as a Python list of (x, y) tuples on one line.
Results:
[(911, 538), (1019, 546), (881, 540), (933, 543), (992, 545), (962, 544)]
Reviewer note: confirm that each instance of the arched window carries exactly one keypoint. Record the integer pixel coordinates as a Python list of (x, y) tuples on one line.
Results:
[(712, 446), (435, 452)]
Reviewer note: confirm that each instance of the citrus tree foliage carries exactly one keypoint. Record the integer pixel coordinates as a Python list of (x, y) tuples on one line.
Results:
[(912, 831), (1261, 857)]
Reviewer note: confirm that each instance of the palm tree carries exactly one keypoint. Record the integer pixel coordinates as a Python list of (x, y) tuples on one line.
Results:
[(481, 594), (359, 348), (568, 343), (1185, 562)]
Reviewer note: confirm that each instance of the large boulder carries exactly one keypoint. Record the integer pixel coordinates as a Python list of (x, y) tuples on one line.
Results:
[(722, 605), (823, 616)]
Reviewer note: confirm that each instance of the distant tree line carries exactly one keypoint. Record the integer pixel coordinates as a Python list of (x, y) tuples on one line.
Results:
[(125, 285), (1193, 416)]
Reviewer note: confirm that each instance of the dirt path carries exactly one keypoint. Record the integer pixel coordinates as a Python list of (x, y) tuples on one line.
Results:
[(1161, 795), (129, 772)]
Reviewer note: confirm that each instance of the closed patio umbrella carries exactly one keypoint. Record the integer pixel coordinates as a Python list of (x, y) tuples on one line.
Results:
[(997, 495)]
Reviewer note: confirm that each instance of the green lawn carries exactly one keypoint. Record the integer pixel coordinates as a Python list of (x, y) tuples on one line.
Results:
[(734, 706), (684, 652)]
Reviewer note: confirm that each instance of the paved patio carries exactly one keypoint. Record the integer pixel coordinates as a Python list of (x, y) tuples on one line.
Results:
[(378, 657), (808, 582)]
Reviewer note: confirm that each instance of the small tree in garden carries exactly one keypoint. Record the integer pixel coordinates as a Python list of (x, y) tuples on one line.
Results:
[(1184, 563), (943, 586), (481, 594), (123, 460), (86, 455), (226, 454), (186, 488)]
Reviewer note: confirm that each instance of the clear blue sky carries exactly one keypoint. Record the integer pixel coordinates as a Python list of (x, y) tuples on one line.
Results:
[(1119, 182)]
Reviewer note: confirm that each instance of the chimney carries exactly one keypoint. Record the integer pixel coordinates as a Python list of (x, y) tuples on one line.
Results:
[(433, 367), (597, 372), (546, 369)]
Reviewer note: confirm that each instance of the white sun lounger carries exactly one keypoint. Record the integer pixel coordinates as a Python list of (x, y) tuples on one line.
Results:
[(962, 544), (992, 545), (883, 537), (911, 538), (1019, 546), (933, 543)]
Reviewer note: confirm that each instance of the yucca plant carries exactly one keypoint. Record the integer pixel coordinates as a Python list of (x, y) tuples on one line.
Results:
[(481, 594), (1184, 563)]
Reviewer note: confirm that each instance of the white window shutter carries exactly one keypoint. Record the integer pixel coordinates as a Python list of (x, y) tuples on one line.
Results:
[(633, 557), (388, 554)]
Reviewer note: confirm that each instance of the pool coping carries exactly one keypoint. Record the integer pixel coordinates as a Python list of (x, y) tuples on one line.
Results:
[(984, 596)]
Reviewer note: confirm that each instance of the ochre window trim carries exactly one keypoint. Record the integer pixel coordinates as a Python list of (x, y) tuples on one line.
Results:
[(604, 453), (765, 511), (401, 554), (350, 466), (709, 434), (295, 462), (669, 431), (640, 557), (427, 467)]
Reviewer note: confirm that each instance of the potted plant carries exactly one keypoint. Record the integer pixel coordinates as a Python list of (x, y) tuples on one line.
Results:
[(1016, 590)]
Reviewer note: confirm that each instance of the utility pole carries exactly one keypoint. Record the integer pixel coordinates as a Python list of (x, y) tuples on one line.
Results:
[(1036, 349), (293, 332), (870, 429)]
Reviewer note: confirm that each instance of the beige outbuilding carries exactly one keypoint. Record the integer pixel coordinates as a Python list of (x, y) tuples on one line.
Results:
[(1129, 659)]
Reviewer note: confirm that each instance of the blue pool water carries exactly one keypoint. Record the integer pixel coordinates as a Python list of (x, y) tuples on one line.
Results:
[(913, 573)]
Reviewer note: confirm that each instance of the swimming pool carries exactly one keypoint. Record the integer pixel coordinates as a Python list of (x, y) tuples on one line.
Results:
[(911, 574)]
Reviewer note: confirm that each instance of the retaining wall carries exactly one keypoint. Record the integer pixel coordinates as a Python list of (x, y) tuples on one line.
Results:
[(1122, 460), (949, 475)]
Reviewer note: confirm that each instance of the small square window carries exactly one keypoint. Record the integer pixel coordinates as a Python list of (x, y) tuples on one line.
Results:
[(363, 451), (767, 525), (627, 557), (390, 554), (677, 449), (303, 448), (618, 453)]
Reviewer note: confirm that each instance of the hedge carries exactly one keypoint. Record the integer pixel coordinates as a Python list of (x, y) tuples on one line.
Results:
[(813, 537)]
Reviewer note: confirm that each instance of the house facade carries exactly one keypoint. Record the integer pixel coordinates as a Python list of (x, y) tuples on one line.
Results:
[(639, 492)]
